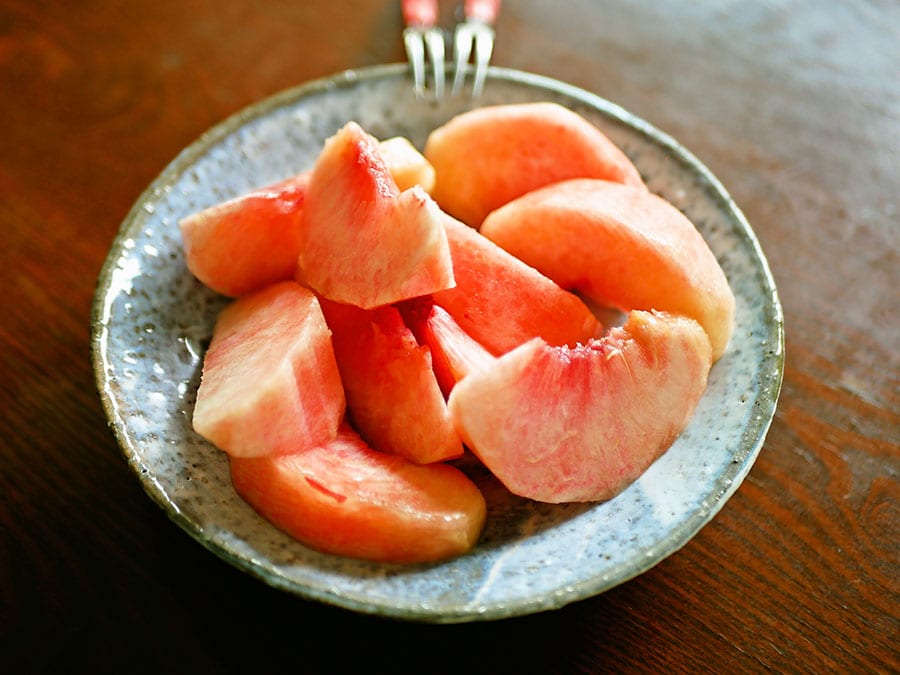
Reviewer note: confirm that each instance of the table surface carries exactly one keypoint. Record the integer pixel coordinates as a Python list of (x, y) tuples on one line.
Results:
[(794, 105)]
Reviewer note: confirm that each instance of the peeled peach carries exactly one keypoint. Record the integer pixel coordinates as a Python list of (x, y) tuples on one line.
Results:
[(560, 424), (362, 241), (407, 165), (243, 244), (344, 498), (270, 382), (502, 302), (240, 245), (620, 246), (454, 353), (488, 156), (393, 397)]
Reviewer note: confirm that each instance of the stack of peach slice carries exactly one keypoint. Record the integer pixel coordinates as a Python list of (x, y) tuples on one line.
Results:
[(394, 309)]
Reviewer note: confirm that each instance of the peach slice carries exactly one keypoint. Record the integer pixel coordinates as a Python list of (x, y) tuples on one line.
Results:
[(344, 498), (240, 245), (502, 302), (620, 246), (454, 353), (407, 165), (486, 157), (559, 424), (270, 383), (362, 241), (393, 397)]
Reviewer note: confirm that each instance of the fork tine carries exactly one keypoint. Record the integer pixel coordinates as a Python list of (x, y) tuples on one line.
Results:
[(434, 43), (484, 45), (462, 48), (415, 52)]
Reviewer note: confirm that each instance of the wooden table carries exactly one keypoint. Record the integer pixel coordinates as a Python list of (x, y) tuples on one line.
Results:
[(794, 105)]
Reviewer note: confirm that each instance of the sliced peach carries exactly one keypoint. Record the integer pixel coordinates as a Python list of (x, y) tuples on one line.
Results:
[(393, 396), (620, 246), (363, 242), (454, 353), (407, 165), (248, 242), (344, 498), (502, 302), (240, 245), (486, 157), (270, 382), (559, 424)]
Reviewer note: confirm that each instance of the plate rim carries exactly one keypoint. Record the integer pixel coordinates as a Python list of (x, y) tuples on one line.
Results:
[(726, 484)]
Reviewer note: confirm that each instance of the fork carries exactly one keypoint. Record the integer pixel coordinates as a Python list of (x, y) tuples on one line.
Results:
[(424, 40), (477, 29), (422, 37)]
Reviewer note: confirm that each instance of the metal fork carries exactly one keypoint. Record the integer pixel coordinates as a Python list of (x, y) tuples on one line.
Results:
[(424, 41), (422, 37), (477, 29)]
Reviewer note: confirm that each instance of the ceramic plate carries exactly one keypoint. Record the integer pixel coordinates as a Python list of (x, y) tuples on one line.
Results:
[(152, 322)]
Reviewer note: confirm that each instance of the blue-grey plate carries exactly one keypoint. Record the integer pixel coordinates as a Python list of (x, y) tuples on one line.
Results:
[(152, 321)]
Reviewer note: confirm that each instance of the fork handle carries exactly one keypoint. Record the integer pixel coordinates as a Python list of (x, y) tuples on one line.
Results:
[(485, 11), (423, 13)]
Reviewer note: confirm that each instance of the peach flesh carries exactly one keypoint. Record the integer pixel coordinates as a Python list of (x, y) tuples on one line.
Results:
[(363, 242), (559, 424), (502, 302), (620, 246), (393, 397), (345, 498), (488, 156), (270, 382)]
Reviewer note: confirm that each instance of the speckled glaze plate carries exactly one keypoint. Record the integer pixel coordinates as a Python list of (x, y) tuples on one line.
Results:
[(152, 321)]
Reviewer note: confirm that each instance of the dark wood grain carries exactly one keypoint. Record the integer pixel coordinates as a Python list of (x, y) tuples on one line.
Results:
[(794, 105)]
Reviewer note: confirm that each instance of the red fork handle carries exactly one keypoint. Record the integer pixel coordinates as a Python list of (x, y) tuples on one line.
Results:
[(423, 13), (485, 11)]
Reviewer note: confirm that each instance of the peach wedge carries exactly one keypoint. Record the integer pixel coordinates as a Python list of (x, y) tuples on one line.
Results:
[(240, 245), (559, 424), (454, 353), (344, 498), (488, 156), (363, 241), (393, 397), (270, 382), (621, 247), (502, 302)]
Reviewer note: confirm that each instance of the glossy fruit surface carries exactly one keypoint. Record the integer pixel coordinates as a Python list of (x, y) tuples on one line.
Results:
[(407, 165), (363, 241), (245, 243), (270, 383), (556, 424), (454, 353), (502, 302), (248, 242), (488, 156), (393, 397), (621, 246), (345, 498)]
